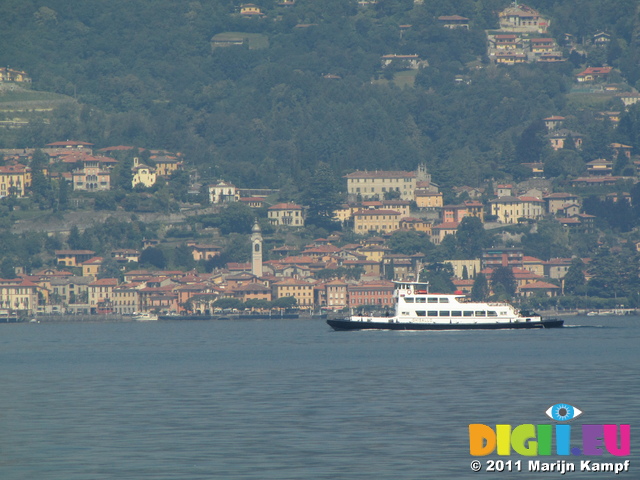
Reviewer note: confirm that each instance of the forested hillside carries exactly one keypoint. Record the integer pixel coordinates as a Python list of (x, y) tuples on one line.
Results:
[(264, 114)]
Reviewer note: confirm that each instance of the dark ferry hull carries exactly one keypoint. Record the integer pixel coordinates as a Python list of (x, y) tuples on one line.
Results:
[(345, 324)]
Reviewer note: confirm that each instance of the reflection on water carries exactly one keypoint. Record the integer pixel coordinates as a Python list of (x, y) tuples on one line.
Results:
[(292, 399)]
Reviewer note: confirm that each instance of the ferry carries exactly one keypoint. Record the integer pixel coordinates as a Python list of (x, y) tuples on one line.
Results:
[(417, 309)]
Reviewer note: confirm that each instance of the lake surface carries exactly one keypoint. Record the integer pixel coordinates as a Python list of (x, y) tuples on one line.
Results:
[(292, 399)]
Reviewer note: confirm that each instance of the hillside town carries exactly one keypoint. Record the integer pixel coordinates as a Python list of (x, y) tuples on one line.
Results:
[(324, 275), (356, 259)]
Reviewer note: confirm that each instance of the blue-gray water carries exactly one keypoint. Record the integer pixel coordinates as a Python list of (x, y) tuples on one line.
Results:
[(291, 399)]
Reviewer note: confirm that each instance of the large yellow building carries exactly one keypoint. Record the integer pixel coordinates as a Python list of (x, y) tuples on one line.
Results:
[(384, 221), (73, 258), (286, 214), (429, 200), (298, 289), (18, 294), (417, 224), (101, 291), (510, 209), (126, 298), (14, 179), (374, 185), (143, 174), (166, 165)]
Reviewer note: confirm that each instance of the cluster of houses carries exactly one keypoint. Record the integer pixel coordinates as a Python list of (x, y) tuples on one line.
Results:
[(295, 274), (8, 74), (382, 202), (522, 38), (81, 168), (299, 273)]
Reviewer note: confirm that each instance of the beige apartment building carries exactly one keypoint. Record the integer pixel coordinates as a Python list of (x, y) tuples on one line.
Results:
[(286, 214), (14, 179), (382, 221), (19, 294), (126, 298), (374, 185), (298, 289), (429, 200), (510, 209)]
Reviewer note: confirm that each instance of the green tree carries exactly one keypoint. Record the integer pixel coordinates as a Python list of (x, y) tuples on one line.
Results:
[(63, 194), (74, 240), (472, 237), (122, 175), (614, 274), (228, 303), (439, 276), (236, 218), (40, 184), (563, 162), (551, 240), (574, 279), (183, 257), (284, 302), (503, 283), (7, 268), (153, 256), (407, 242), (110, 269), (322, 197), (531, 143), (480, 289)]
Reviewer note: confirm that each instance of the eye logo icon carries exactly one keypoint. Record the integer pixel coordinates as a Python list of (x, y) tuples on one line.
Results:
[(563, 412)]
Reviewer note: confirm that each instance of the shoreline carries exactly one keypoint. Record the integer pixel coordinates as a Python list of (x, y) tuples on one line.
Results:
[(118, 318)]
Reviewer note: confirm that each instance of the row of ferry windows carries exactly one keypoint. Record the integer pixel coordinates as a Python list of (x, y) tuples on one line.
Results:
[(426, 300), (455, 313)]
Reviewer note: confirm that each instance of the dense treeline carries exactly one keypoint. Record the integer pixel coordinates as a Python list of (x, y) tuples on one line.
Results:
[(144, 74)]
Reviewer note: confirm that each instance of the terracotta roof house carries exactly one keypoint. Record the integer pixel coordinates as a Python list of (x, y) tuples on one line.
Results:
[(554, 122), (438, 232), (286, 214), (521, 18), (600, 166), (250, 10), (454, 22), (592, 74), (538, 288), (559, 137), (73, 258)]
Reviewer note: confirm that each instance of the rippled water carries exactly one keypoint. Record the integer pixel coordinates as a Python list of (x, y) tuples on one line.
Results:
[(291, 399)]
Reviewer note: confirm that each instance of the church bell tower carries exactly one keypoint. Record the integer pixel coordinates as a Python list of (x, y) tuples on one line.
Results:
[(256, 250)]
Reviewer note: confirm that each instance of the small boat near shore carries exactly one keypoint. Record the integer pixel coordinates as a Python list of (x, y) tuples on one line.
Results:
[(417, 309), (145, 317)]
